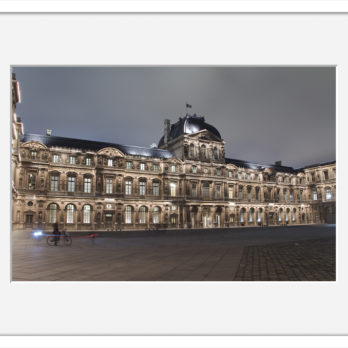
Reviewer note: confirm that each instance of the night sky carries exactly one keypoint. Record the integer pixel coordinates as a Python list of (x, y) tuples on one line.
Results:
[(264, 114)]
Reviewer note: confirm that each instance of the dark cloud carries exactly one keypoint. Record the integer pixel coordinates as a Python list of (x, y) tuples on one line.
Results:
[(264, 114)]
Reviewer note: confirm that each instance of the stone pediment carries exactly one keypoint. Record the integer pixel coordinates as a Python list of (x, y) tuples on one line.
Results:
[(205, 135), (34, 145), (110, 152)]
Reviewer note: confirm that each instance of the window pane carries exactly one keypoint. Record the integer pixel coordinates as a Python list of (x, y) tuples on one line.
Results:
[(70, 214), (128, 187), (54, 183), (53, 213), (87, 214), (108, 186), (87, 185), (71, 184), (142, 187), (155, 187)]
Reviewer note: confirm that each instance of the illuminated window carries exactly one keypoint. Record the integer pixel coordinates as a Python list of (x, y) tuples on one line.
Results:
[(87, 185), (128, 187), (155, 188), (108, 187), (142, 188), (31, 181), (87, 214), (230, 192), (328, 194), (142, 215), (250, 215), (70, 214), (53, 213), (173, 189), (54, 183), (71, 184), (128, 214), (156, 215)]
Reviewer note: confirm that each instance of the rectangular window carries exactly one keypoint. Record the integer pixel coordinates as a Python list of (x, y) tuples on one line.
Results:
[(87, 214), (54, 183), (315, 196), (256, 177), (313, 177), (72, 160), (334, 172), (55, 158), (71, 184), (110, 162), (33, 154), (328, 195), (284, 195), (129, 165), (194, 190), (194, 170), (172, 168), (240, 193), (28, 219), (128, 215), (291, 197), (230, 174), (248, 176), (239, 176), (326, 175), (173, 189), (301, 194), (142, 166), (257, 193), (142, 188), (249, 194), (218, 191), (155, 188), (206, 190), (87, 185), (88, 161), (218, 171), (108, 188), (128, 187), (230, 192), (155, 167)]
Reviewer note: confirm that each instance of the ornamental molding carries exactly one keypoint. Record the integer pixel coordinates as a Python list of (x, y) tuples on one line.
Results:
[(34, 145), (110, 152)]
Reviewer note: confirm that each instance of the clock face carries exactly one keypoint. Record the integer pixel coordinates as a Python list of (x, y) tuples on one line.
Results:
[(108, 206)]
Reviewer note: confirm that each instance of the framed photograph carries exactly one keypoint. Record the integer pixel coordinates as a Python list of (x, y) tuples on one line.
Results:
[(310, 44)]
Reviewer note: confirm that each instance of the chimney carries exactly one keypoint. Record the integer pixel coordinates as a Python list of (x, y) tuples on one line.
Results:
[(48, 132), (166, 131), (278, 163)]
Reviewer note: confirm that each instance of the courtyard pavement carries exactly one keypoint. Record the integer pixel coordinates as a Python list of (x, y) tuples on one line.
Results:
[(266, 253)]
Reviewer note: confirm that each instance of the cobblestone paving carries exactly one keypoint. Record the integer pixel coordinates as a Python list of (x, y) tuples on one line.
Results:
[(174, 256), (309, 260)]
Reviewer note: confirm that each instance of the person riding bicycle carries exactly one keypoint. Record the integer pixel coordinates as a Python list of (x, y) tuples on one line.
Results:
[(56, 232)]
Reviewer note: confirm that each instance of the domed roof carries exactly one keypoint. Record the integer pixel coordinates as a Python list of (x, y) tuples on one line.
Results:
[(188, 125)]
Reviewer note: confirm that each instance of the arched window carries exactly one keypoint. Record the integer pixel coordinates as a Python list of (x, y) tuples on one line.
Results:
[(293, 217), (251, 213), (280, 215), (216, 153), (142, 215), (242, 212), (259, 215), (70, 213), (156, 215), (53, 213), (128, 214), (71, 184), (287, 215), (87, 214)]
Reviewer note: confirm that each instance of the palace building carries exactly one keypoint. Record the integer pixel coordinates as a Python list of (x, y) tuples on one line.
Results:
[(187, 182)]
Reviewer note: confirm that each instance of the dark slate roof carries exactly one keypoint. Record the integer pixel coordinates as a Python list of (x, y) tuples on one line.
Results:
[(53, 141), (245, 164), (318, 164), (188, 125)]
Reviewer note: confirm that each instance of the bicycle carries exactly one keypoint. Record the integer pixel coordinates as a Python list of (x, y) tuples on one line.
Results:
[(55, 239)]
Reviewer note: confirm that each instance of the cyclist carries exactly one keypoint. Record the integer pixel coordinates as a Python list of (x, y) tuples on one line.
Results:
[(56, 232)]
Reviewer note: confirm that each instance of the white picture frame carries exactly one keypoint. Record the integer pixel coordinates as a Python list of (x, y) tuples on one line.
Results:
[(226, 309)]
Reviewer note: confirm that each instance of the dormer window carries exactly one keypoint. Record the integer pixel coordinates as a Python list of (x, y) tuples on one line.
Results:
[(173, 168), (110, 162)]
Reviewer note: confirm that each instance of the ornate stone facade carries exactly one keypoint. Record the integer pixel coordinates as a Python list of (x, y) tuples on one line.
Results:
[(188, 182)]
